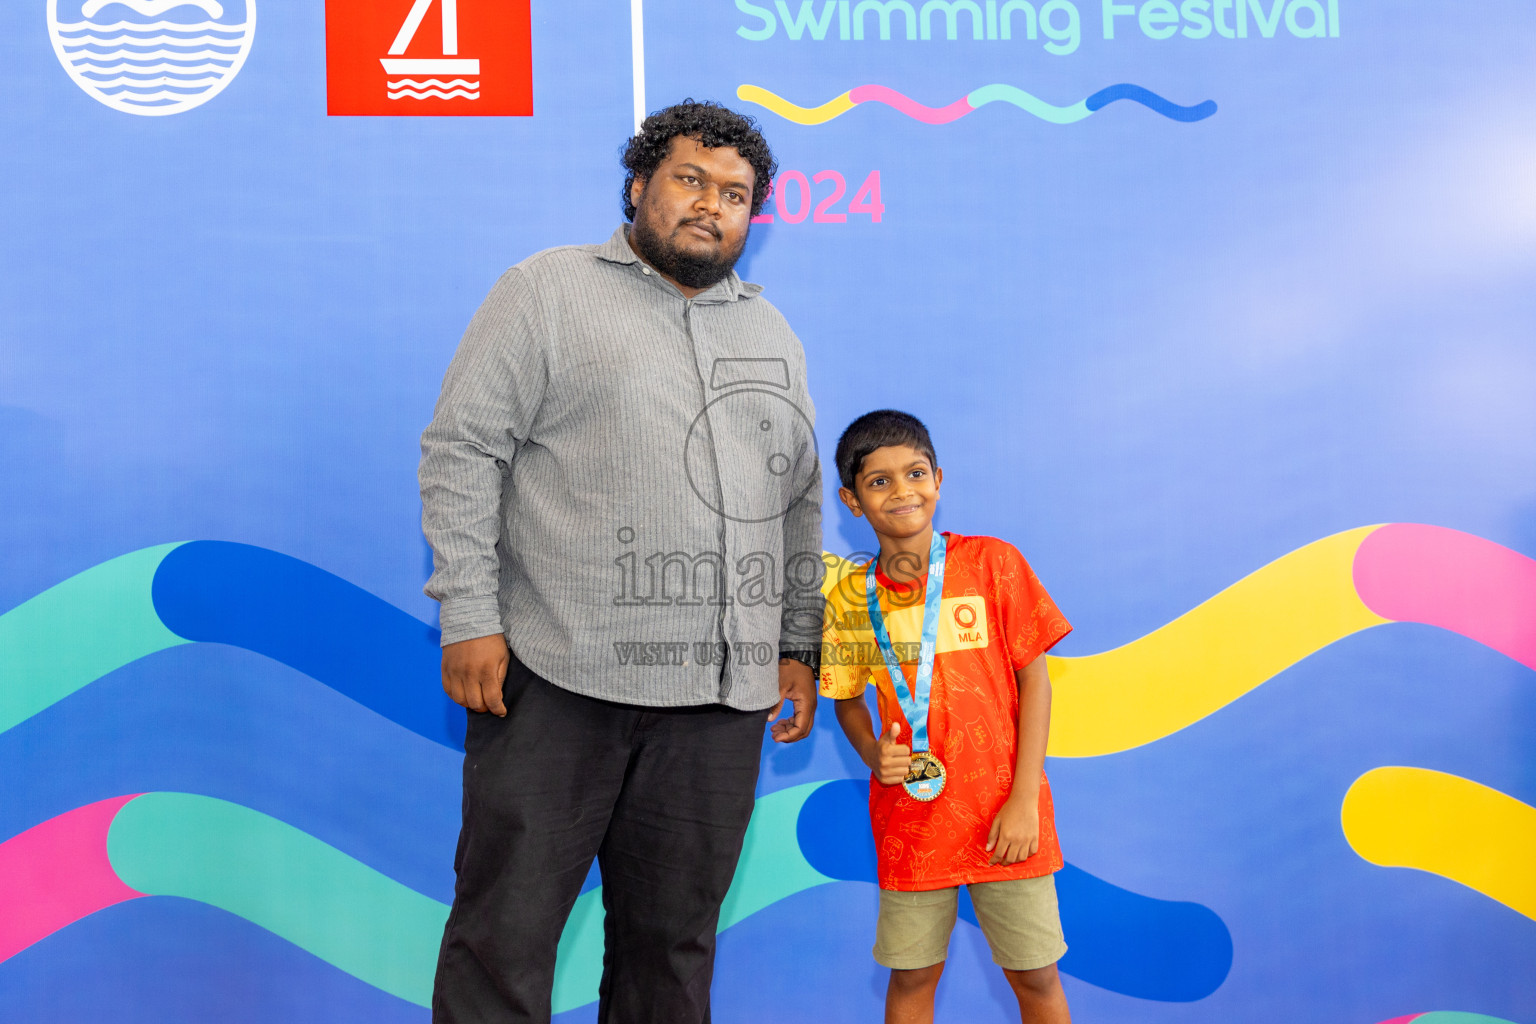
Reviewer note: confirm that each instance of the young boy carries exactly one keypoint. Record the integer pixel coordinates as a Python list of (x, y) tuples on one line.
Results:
[(953, 632)]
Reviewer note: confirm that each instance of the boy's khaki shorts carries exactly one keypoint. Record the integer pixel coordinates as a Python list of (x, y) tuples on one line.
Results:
[(1018, 917)]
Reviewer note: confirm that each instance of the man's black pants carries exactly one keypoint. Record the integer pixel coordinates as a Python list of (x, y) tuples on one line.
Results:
[(660, 796)]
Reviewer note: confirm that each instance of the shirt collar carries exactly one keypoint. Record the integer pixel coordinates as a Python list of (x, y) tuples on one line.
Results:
[(617, 250)]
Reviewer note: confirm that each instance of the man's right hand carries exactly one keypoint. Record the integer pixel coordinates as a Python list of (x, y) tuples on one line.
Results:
[(892, 759), (473, 671)]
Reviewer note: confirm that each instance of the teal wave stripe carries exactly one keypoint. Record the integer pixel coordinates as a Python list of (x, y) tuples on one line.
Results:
[(579, 957), (284, 880), (1029, 104), (77, 631), (772, 868), (374, 928)]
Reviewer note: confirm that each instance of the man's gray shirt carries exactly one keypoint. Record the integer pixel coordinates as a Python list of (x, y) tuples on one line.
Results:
[(625, 483)]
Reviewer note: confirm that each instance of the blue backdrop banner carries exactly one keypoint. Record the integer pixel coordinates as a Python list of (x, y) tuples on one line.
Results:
[(1220, 310)]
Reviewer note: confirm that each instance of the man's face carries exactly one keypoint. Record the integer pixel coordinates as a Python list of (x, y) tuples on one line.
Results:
[(692, 216)]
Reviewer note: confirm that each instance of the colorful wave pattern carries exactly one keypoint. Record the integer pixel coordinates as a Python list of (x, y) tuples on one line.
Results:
[(1448, 826), (974, 100), (163, 597), (150, 66), (1227, 646), (385, 934), (432, 88)]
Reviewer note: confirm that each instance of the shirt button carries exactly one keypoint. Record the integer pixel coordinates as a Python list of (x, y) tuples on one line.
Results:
[(646, 271)]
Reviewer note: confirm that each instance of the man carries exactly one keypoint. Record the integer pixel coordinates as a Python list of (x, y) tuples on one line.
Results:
[(622, 495)]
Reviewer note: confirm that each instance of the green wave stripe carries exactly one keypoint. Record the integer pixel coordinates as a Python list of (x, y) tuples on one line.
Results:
[(284, 880), (1029, 103), (772, 868), (369, 925), (77, 631)]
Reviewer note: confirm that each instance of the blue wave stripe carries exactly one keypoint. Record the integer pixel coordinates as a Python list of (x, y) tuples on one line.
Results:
[(1119, 940), (312, 621), (1152, 101)]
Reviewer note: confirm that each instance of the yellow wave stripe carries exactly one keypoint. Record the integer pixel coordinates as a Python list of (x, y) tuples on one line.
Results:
[(1206, 658), (1212, 654), (835, 107), (1449, 826)]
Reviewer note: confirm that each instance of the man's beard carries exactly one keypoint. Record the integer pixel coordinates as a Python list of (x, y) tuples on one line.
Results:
[(689, 269)]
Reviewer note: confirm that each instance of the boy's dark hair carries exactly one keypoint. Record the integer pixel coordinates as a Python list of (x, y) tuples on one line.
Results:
[(883, 428), (712, 126)]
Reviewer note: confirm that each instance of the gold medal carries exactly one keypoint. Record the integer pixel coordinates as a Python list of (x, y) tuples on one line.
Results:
[(925, 776)]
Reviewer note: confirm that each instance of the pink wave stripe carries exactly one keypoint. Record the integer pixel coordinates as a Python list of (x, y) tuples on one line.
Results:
[(1403, 1020), (1413, 573), (927, 115), (55, 873)]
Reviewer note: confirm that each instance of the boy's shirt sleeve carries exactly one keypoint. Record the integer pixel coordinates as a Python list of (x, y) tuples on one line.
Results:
[(1032, 623), (841, 675)]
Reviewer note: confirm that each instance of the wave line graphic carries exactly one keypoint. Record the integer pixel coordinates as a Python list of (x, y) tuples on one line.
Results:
[(70, 27), (412, 94), (192, 72), (120, 42), (194, 82), (144, 93), (134, 56), (1321, 593), (1328, 590), (399, 83), (974, 100), (152, 8), (1167, 950), (216, 592), (1446, 825), (386, 934), (376, 654)]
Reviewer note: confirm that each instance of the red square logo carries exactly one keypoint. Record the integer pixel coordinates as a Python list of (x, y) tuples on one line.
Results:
[(453, 58)]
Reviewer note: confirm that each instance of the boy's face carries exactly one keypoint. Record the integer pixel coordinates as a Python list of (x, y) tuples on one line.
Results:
[(897, 490)]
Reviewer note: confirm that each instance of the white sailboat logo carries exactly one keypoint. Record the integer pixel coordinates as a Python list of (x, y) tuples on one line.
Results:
[(454, 84), (152, 57)]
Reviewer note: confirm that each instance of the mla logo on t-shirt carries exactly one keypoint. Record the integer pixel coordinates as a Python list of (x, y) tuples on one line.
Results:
[(968, 616), (429, 57), (152, 57)]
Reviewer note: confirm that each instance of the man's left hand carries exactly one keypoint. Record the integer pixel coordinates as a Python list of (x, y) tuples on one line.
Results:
[(797, 684)]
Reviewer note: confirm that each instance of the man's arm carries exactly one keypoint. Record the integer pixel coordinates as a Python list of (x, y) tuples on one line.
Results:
[(490, 395), (800, 622), (1015, 833)]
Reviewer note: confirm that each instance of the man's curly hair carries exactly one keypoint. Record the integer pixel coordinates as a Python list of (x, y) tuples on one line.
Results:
[(712, 126)]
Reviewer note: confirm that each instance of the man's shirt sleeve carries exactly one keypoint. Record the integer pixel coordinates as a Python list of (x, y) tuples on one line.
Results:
[(490, 398), (800, 623)]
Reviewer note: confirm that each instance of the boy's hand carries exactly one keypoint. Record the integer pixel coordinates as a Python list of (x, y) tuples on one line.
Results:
[(891, 759), (1015, 833)]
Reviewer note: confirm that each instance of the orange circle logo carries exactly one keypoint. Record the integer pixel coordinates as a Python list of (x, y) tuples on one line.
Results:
[(965, 616)]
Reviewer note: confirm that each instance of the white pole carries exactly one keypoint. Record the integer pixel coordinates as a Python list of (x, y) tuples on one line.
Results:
[(637, 54)]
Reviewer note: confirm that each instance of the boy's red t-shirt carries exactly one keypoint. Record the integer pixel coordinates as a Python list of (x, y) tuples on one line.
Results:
[(994, 618)]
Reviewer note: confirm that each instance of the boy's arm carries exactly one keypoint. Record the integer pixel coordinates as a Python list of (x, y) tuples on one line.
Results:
[(886, 758), (1015, 833)]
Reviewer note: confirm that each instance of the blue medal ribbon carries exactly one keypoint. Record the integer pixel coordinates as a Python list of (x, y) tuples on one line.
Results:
[(914, 701)]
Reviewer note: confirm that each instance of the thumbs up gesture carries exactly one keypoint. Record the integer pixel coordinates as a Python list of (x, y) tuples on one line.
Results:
[(891, 758)]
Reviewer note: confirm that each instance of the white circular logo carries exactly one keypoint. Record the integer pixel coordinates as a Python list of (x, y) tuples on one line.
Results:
[(152, 57)]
